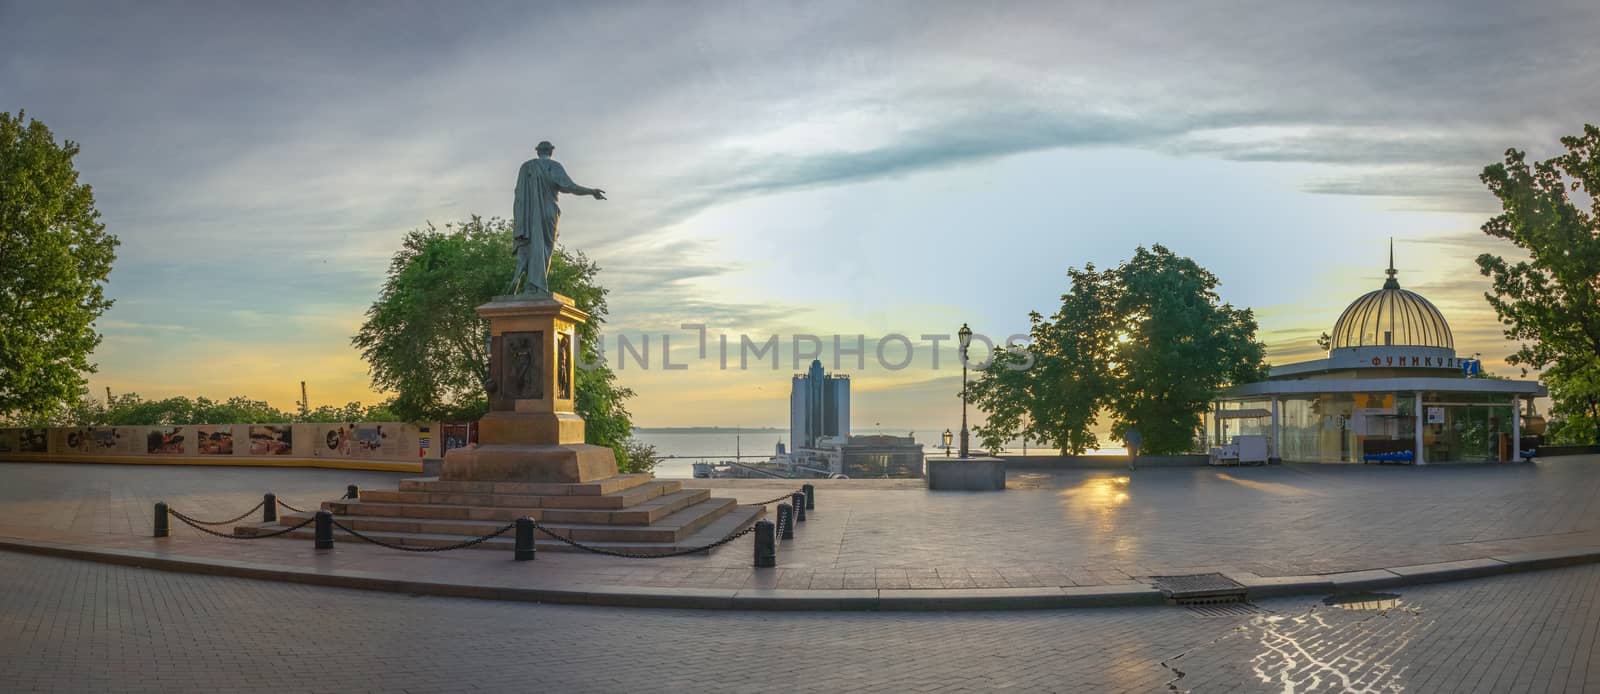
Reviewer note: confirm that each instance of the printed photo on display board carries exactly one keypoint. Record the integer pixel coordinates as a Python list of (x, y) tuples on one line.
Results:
[(34, 441), (336, 438), (165, 441), (103, 440), (74, 441), (8, 440), (271, 439), (369, 439), (360, 440), (214, 440)]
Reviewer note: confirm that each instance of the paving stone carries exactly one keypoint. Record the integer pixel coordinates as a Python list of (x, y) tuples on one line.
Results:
[(1064, 530), (69, 626)]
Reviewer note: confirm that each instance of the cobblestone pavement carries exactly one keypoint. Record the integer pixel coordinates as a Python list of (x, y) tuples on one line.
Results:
[(68, 625), (1080, 528)]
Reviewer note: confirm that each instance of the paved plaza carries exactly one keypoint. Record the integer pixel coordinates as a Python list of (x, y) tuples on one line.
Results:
[(1081, 528), (68, 625)]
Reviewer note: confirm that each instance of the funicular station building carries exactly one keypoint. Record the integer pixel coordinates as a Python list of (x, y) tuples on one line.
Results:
[(1392, 389)]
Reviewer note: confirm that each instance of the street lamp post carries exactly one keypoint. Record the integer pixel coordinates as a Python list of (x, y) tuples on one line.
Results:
[(965, 336), (947, 437)]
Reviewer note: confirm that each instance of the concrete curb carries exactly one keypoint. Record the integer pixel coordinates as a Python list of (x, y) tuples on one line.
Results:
[(883, 599)]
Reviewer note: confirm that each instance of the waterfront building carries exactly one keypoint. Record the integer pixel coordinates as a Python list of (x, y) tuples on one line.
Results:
[(877, 455), (1392, 389), (819, 405)]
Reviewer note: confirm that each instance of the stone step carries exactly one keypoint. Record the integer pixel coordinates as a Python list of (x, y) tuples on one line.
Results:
[(646, 513), (669, 528), (735, 520), (620, 499), (610, 485)]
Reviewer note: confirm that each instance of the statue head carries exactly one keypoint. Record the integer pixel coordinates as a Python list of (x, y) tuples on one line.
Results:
[(544, 148)]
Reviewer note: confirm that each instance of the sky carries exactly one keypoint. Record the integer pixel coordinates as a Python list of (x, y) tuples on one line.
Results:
[(784, 168)]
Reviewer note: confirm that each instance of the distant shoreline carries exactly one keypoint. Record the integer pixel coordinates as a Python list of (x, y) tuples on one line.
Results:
[(707, 430)]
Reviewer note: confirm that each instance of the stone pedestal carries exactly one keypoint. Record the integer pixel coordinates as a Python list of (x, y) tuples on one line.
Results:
[(967, 474), (531, 433)]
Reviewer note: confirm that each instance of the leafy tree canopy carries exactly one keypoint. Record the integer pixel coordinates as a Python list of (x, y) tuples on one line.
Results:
[(1575, 390), (1550, 302), (55, 256), (424, 341), (129, 409), (1150, 343)]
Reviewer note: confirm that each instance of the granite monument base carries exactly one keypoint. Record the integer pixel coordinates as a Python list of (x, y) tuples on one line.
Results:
[(982, 474)]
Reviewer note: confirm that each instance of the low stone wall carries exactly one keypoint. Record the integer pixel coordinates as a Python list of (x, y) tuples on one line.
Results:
[(388, 446), (1065, 462), (240, 461)]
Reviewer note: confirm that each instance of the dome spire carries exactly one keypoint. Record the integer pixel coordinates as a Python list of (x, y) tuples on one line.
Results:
[(1391, 283)]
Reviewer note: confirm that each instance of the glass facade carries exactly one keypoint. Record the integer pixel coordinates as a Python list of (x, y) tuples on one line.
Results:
[(1348, 427)]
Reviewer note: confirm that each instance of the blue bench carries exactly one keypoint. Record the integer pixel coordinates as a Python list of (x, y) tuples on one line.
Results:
[(1391, 457)]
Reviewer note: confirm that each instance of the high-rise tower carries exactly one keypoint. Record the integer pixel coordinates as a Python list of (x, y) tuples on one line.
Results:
[(819, 405)]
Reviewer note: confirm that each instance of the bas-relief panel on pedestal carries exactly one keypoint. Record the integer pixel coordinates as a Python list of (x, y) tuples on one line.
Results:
[(515, 363), (564, 366)]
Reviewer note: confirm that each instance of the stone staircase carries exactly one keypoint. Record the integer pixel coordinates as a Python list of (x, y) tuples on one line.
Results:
[(625, 513)]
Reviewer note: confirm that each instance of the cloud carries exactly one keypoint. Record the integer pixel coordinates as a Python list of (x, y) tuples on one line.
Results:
[(270, 157)]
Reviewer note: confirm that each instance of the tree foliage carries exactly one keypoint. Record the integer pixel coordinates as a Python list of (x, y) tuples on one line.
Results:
[(1550, 302), (424, 340), (1149, 343), (55, 256), (1575, 390), (129, 409)]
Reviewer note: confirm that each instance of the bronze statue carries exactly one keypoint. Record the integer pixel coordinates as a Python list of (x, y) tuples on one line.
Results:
[(535, 216)]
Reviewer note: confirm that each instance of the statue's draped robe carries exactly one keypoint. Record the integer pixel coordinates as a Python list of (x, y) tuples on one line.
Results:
[(534, 218)]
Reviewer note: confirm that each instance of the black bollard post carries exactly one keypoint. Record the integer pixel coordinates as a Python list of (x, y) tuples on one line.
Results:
[(766, 545), (324, 533), (351, 492), (269, 508), (525, 549), (811, 496), (161, 519), (799, 499), (785, 522)]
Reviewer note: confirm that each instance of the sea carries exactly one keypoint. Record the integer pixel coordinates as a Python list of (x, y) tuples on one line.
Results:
[(681, 449)]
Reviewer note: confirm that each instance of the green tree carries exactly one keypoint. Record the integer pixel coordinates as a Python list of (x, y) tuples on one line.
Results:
[(130, 409), (424, 341), (55, 256), (1052, 393), (1575, 391), (1550, 303), (1149, 343), (640, 457), (1181, 346)]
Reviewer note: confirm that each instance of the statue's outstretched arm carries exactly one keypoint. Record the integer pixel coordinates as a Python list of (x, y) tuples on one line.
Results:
[(564, 184)]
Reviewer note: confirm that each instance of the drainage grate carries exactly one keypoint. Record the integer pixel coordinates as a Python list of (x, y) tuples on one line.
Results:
[(1197, 585), (1200, 589), (1236, 609)]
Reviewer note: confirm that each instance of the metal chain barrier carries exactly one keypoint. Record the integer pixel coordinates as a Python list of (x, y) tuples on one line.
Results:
[(774, 500), (286, 505), (445, 548), (235, 519), (631, 555), (195, 524)]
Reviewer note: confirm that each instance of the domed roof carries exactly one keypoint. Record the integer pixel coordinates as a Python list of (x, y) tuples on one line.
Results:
[(1391, 316)]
